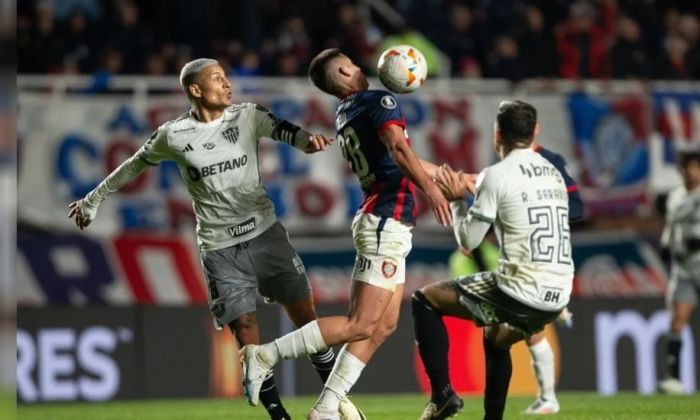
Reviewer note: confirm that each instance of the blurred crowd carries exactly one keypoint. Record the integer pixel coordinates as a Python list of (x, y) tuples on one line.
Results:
[(512, 39)]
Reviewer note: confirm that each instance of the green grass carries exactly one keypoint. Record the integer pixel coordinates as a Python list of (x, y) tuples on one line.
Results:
[(7, 405), (386, 407)]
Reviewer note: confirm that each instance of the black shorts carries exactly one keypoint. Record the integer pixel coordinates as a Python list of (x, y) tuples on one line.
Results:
[(489, 305), (267, 264)]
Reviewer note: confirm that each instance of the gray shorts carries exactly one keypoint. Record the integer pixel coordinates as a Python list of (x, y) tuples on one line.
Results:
[(683, 287), (267, 264), (489, 305)]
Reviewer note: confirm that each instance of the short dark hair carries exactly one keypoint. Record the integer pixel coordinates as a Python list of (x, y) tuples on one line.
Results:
[(685, 157), (516, 122), (318, 70)]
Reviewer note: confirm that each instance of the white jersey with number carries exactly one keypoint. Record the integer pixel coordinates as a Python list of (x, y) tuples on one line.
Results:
[(525, 197), (682, 233), (219, 162)]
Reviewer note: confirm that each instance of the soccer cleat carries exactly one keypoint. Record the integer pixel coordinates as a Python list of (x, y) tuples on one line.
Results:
[(254, 371), (449, 408), (349, 411), (671, 386), (542, 406), (315, 414)]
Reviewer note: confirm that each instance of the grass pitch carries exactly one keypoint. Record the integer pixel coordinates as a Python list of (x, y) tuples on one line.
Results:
[(575, 406)]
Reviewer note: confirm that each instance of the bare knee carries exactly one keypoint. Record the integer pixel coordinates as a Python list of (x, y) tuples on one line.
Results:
[(361, 329), (245, 328), (384, 331)]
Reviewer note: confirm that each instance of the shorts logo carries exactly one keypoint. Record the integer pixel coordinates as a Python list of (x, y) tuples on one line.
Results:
[(388, 269), (243, 228), (298, 264), (362, 264)]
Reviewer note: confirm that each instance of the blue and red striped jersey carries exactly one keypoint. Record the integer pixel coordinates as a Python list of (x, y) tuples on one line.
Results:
[(360, 118)]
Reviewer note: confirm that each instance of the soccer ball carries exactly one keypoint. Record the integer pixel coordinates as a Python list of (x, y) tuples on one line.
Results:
[(402, 69)]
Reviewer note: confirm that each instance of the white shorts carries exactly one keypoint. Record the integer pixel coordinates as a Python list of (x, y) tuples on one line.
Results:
[(382, 246)]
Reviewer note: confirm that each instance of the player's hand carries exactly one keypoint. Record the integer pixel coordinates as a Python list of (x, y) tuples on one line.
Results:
[(470, 183), (453, 184), (318, 143), (82, 212), (439, 205)]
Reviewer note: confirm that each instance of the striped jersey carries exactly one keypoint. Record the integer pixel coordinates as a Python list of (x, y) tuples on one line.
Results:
[(360, 118), (218, 161), (682, 233)]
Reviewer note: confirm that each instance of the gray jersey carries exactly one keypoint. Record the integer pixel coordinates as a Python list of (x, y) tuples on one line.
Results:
[(219, 162), (682, 233)]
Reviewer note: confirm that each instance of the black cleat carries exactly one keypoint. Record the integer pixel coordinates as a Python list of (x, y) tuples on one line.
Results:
[(449, 408)]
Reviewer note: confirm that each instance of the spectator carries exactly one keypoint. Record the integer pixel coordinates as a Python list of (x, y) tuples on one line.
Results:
[(629, 56), (673, 63), (130, 37), (538, 46), (583, 43), (505, 61)]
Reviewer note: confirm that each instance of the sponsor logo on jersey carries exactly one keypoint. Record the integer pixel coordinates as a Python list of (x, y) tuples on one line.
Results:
[(187, 148), (209, 145), (540, 170), (216, 168), (388, 269), (388, 102), (242, 228), (231, 134)]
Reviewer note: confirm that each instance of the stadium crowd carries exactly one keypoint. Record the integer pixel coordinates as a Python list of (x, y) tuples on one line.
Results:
[(512, 39)]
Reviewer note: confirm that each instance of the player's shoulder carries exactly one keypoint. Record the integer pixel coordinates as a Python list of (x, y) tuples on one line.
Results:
[(553, 157), (242, 107), (380, 97), (183, 122)]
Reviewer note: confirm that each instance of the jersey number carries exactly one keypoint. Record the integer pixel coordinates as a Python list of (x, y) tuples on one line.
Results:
[(543, 243), (350, 145)]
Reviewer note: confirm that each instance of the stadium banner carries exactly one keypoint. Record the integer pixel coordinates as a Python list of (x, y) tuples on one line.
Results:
[(99, 354), (164, 269), (69, 143)]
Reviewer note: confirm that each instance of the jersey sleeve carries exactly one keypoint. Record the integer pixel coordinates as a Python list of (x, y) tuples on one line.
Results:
[(268, 125), (156, 148), (384, 111), (485, 205)]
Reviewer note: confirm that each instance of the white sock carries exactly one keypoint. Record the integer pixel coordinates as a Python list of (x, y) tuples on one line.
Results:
[(543, 365), (346, 371), (306, 340)]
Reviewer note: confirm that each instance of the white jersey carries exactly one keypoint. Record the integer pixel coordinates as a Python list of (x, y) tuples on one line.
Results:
[(525, 197), (219, 162), (682, 233)]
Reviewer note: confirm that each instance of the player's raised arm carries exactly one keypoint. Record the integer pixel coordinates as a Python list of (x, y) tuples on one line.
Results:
[(395, 141), (151, 153), (470, 225), (268, 125)]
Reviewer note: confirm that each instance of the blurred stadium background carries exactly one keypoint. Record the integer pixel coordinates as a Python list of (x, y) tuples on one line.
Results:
[(118, 311)]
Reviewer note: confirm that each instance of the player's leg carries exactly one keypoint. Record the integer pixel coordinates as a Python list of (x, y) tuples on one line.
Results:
[(232, 288), (428, 305), (542, 357), (354, 356), (499, 368), (682, 298), (245, 329)]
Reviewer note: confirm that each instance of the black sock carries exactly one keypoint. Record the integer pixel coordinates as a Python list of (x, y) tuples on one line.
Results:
[(433, 344), (498, 371), (270, 399), (673, 355), (323, 362)]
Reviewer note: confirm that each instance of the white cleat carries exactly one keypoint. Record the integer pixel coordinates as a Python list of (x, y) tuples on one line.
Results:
[(315, 414), (254, 372), (671, 386), (542, 406), (349, 411)]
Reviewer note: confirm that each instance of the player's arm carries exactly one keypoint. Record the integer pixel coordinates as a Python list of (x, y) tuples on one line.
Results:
[(395, 141), (268, 125), (85, 210), (470, 225)]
